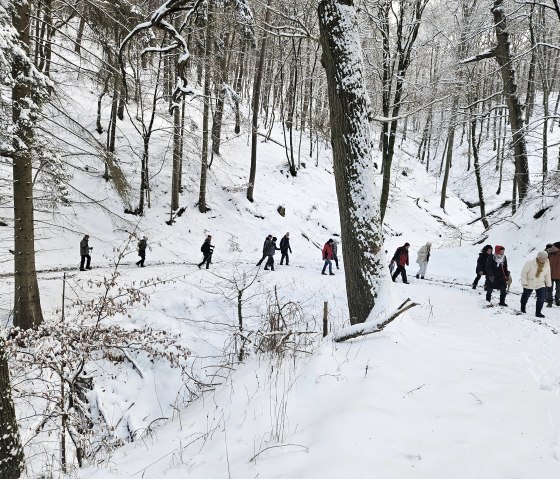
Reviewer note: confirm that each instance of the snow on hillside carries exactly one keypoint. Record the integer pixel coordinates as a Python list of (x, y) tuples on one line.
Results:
[(451, 388)]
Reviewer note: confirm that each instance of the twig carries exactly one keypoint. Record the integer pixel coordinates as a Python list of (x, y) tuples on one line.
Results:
[(305, 448)]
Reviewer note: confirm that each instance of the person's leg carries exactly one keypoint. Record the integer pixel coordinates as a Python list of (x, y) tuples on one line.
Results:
[(541, 293), (503, 292), (488, 293), (330, 267), (476, 280), (261, 260), (525, 298), (272, 263), (267, 264), (325, 264), (88, 264), (83, 260), (287, 259), (207, 260), (557, 295), (395, 274), (142, 259), (403, 274), (424, 269)]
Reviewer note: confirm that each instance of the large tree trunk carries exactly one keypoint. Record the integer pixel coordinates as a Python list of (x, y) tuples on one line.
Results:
[(27, 303), (358, 201), (11, 451), (505, 60)]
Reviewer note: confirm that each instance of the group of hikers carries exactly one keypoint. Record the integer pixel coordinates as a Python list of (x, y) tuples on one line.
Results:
[(540, 274)]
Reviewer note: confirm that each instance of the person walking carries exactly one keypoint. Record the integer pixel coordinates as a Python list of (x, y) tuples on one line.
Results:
[(335, 253), (267, 241), (535, 276), (327, 254), (400, 258), (85, 249), (483, 256), (554, 260), (497, 274), (270, 250), (423, 258), (284, 248), (142, 245), (207, 249)]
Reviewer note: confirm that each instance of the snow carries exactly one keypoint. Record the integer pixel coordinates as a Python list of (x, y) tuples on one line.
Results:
[(449, 389)]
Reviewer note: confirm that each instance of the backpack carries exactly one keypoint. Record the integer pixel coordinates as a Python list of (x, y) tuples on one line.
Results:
[(202, 248)]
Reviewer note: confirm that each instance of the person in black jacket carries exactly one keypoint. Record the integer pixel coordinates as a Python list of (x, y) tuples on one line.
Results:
[(497, 274), (270, 250), (85, 248), (284, 248), (401, 259), (207, 249), (142, 245), (267, 241), (483, 256)]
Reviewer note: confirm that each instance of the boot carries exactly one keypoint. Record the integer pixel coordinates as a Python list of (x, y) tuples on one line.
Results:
[(474, 286), (523, 307), (417, 276), (322, 272), (503, 303), (558, 302), (539, 315), (549, 304)]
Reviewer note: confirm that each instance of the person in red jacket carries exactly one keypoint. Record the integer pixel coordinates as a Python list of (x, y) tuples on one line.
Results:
[(401, 259), (328, 256)]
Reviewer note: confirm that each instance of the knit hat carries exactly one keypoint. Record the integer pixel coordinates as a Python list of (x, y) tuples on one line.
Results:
[(407, 244), (542, 255), (429, 244), (486, 247), (498, 248), (557, 244)]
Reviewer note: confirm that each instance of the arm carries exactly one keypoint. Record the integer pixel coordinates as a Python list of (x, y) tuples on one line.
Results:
[(525, 275)]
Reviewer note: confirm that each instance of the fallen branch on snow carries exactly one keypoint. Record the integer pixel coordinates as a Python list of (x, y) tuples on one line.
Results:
[(368, 328)]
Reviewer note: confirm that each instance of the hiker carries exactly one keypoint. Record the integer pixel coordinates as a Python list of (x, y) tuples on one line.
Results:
[(270, 250), (554, 260), (85, 249), (207, 249), (401, 259), (328, 256), (535, 275), (284, 248), (335, 253), (142, 245), (267, 241), (483, 256), (423, 258), (497, 274)]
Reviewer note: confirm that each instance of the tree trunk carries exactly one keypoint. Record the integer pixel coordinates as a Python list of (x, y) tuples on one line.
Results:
[(255, 106), (177, 153), (504, 59), (80, 36), (358, 199), (11, 451), (27, 302), (475, 144)]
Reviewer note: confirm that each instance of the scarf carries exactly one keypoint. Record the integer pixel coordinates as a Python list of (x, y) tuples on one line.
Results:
[(499, 258)]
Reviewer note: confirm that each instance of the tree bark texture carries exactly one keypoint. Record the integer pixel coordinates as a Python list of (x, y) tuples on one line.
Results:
[(11, 451), (505, 60), (358, 199), (27, 302)]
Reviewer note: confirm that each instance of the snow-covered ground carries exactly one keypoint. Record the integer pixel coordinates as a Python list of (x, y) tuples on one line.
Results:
[(450, 389)]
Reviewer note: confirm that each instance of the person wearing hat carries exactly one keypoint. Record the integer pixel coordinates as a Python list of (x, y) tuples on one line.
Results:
[(535, 276), (270, 250), (328, 255), (401, 259), (483, 257), (267, 241), (142, 245), (207, 249), (497, 274), (554, 260), (85, 248), (423, 258)]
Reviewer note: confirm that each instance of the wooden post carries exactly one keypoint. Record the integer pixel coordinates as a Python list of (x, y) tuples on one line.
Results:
[(325, 318)]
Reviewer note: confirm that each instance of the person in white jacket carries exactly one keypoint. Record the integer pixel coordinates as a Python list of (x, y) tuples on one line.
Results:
[(422, 259), (535, 275)]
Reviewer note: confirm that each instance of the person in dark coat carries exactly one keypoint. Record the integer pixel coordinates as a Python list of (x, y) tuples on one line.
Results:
[(85, 248), (483, 256), (328, 256), (554, 260), (207, 249), (142, 245), (270, 250), (284, 248), (267, 241), (401, 259), (497, 274)]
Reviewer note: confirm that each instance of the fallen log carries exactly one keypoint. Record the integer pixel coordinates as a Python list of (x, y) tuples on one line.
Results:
[(372, 327)]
